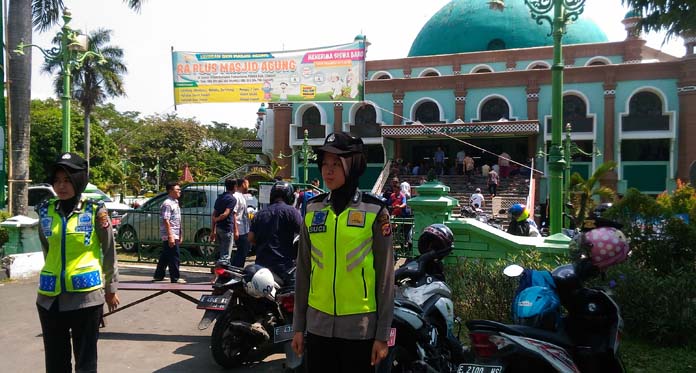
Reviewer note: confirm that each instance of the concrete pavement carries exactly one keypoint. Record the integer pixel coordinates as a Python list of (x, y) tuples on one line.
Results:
[(159, 335)]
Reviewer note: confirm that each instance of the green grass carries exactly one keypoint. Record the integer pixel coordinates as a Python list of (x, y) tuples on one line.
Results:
[(644, 357)]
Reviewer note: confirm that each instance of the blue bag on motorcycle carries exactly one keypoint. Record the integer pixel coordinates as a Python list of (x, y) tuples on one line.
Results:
[(538, 307)]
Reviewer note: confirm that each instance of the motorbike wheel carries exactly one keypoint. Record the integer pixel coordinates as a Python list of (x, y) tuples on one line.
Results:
[(229, 347)]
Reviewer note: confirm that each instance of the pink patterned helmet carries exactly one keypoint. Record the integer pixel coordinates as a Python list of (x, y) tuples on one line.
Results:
[(607, 246)]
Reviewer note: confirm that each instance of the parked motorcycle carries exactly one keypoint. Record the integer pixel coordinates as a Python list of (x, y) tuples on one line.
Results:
[(586, 339), (253, 312), (423, 311)]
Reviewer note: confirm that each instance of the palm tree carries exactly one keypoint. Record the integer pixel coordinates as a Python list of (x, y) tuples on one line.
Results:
[(586, 189), (21, 14), (19, 74), (95, 80)]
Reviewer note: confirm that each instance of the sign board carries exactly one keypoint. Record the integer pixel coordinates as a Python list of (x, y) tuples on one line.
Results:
[(329, 74)]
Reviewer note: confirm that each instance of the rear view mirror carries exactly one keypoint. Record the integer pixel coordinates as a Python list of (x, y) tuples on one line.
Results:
[(502, 211), (513, 270)]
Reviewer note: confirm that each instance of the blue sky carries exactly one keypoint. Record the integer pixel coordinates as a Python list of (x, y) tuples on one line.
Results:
[(234, 26)]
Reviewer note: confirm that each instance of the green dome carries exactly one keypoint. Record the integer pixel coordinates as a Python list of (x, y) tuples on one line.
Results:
[(471, 26), (632, 14)]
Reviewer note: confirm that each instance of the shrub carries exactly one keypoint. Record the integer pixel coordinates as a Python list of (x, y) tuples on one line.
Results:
[(480, 290), (660, 307), (4, 236)]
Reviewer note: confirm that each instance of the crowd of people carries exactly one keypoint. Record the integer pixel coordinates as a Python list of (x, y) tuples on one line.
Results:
[(332, 227)]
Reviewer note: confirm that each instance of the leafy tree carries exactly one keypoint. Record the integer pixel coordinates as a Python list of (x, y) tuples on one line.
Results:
[(21, 14), (46, 120), (95, 80), (673, 16), (583, 190), (168, 142)]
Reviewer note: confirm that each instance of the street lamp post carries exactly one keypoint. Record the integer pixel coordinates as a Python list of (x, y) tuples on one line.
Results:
[(307, 155), (71, 55), (564, 11)]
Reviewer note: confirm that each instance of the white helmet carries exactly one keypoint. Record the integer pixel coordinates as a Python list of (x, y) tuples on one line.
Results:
[(262, 285)]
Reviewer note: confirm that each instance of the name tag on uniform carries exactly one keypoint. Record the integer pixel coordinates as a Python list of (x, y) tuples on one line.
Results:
[(356, 218), (318, 222)]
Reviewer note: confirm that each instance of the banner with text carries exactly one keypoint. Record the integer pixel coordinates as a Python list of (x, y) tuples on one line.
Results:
[(331, 74)]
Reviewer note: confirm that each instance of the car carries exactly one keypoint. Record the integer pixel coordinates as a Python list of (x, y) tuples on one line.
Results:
[(141, 225), (41, 192)]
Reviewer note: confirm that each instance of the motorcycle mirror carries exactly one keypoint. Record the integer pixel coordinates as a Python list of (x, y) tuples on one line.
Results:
[(513, 270)]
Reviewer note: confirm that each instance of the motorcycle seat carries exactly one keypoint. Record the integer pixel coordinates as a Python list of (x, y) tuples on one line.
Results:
[(405, 303), (558, 338)]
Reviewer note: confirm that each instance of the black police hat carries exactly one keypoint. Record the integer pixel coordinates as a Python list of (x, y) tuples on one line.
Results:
[(342, 143), (72, 161)]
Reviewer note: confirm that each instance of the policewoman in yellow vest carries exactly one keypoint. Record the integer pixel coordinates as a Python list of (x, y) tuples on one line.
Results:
[(80, 270), (344, 293)]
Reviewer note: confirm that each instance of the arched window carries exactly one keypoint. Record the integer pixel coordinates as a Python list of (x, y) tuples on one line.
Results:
[(494, 110), (384, 76), (575, 113), (496, 45), (597, 63), (311, 121), (539, 66), (483, 70), (366, 122), (645, 114), (428, 112), (431, 73)]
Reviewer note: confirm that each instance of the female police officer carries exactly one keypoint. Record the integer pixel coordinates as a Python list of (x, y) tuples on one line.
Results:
[(78, 245), (344, 296)]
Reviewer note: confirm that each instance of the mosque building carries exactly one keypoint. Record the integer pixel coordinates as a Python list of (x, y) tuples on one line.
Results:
[(482, 77)]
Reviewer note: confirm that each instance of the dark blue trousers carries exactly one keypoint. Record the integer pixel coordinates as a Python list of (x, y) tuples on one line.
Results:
[(168, 258), (242, 244), (80, 326)]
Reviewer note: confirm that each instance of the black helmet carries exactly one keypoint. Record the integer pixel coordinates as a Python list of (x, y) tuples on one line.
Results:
[(284, 190), (345, 145), (438, 238)]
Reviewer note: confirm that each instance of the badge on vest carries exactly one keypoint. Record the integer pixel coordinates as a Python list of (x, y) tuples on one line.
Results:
[(46, 223), (356, 218), (84, 223), (318, 222)]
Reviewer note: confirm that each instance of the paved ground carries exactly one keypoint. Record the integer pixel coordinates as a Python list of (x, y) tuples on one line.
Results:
[(159, 335)]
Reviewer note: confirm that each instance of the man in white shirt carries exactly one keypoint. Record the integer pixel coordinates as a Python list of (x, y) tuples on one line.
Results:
[(241, 230), (476, 198), (405, 188)]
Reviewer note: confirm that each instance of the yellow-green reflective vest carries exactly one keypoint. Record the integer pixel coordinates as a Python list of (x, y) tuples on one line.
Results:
[(73, 262), (342, 279)]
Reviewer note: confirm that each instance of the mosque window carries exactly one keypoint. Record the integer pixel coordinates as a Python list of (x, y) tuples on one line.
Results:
[(374, 153), (311, 121), (494, 110), (428, 112), (645, 114), (365, 123), (645, 150), (496, 44), (575, 113)]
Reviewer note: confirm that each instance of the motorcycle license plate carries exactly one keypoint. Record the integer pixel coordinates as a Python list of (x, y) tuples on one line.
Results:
[(213, 302), (475, 368), (282, 333)]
